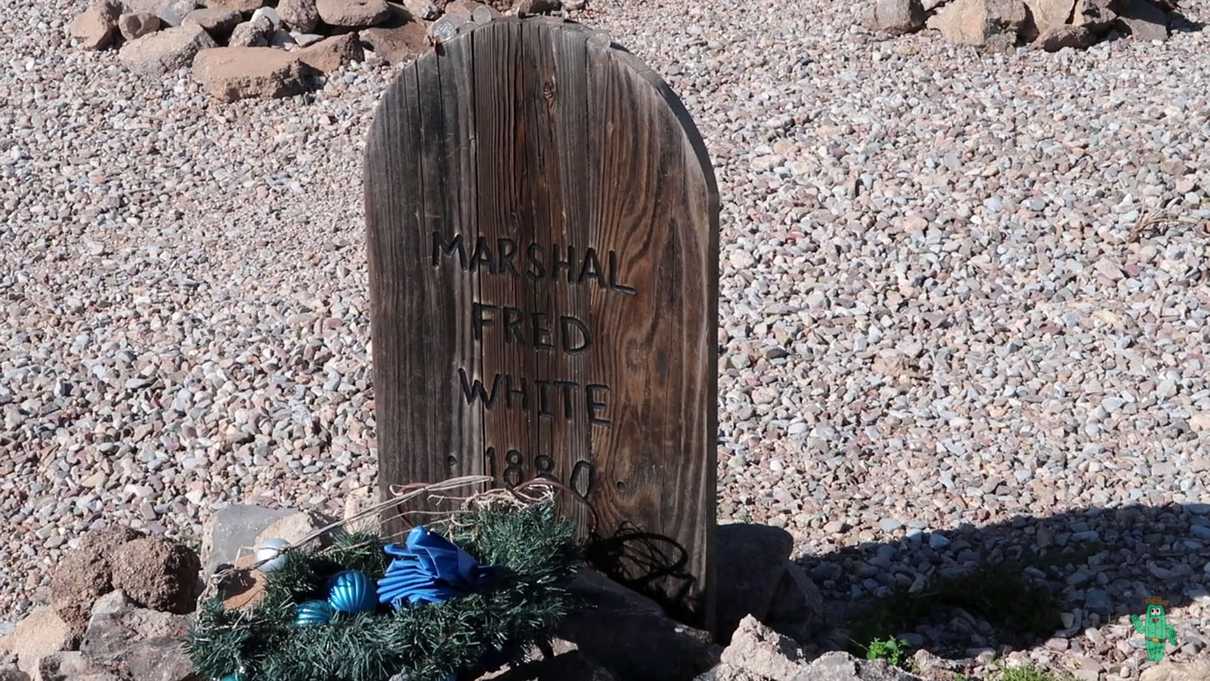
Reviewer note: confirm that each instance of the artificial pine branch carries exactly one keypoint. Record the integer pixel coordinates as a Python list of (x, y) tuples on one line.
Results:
[(531, 546)]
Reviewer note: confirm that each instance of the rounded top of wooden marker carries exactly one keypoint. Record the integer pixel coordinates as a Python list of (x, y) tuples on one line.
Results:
[(602, 52)]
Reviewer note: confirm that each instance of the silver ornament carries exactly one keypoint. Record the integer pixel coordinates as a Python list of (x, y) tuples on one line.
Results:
[(270, 551)]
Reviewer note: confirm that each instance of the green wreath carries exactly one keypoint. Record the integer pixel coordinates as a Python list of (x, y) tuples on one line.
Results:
[(532, 554)]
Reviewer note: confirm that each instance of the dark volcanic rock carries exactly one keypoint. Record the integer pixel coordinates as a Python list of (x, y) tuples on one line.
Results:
[(158, 574), (85, 575)]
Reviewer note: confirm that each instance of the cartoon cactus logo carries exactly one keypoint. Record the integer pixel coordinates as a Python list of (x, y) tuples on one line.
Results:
[(1154, 627)]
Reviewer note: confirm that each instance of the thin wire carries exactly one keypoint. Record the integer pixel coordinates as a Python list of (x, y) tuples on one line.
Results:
[(530, 493)]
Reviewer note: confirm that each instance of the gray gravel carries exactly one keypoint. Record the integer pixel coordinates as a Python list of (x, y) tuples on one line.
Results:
[(943, 305), (949, 326)]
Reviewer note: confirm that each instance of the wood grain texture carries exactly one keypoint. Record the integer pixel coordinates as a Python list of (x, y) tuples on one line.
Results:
[(542, 218)]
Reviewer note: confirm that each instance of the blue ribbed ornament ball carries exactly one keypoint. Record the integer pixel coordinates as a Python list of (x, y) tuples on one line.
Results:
[(352, 591), (312, 612)]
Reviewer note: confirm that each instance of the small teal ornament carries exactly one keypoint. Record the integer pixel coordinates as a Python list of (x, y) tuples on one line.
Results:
[(351, 592), (312, 612)]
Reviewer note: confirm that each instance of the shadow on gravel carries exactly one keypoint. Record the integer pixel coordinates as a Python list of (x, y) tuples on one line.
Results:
[(1018, 583), (1182, 23)]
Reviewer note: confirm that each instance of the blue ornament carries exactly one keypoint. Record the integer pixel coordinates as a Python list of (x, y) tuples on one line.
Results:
[(351, 592), (312, 612), (429, 569)]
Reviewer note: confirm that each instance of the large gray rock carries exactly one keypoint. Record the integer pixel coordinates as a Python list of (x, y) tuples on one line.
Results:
[(97, 27), (85, 574), (353, 13), (231, 73), (1144, 20), (448, 27), (252, 33), (1046, 16), (72, 666), (271, 14), (474, 11), (237, 5), (934, 668), (422, 9), (894, 16), (236, 526), (749, 563), (834, 666), (158, 659), (78, 580), (398, 44), (755, 577), (299, 15), (12, 673), (1097, 15), (171, 12), (117, 623), (797, 608), (140, 643), (360, 501), (1065, 36), (529, 8), (299, 525), (325, 56), (762, 652), (1167, 670), (993, 24), (159, 574), (629, 634), (216, 21), (40, 634), (135, 25), (164, 51)]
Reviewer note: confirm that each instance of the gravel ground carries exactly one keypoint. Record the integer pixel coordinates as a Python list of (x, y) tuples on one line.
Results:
[(950, 335)]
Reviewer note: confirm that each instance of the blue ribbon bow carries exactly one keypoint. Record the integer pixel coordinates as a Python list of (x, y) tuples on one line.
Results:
[(429, 569)]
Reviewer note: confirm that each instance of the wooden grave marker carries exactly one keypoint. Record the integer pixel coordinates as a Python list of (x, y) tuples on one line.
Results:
[(542, 230)]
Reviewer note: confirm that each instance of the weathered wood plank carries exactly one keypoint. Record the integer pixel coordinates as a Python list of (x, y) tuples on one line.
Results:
[(394, 196), (555, 106), (503, 187), (641, 206), (543, 226)]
